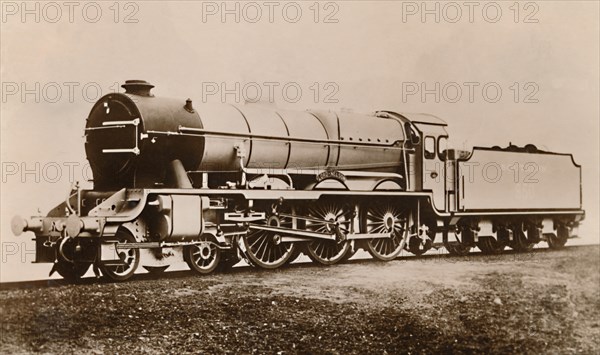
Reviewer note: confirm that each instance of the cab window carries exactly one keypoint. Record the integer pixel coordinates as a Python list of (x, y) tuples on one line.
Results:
[(442, 147), (429, 147)]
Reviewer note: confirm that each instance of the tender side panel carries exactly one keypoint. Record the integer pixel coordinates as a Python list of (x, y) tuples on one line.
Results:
[(500, 180)]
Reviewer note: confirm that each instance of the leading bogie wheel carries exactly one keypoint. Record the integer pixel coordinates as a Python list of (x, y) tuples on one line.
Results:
[(70, 270), (203, 257), (129, 258), (385, 218), (336, 219)]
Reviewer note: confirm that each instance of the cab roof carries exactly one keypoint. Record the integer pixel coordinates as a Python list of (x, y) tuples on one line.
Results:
[(424, 118)]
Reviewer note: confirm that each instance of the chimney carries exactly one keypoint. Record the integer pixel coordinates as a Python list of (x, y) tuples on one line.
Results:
[(138, 87)]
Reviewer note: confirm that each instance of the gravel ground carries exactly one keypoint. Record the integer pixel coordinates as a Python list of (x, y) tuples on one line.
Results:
[(539, 302)]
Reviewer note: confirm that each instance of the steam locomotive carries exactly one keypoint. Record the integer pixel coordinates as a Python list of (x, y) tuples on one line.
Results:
[(213, 184)]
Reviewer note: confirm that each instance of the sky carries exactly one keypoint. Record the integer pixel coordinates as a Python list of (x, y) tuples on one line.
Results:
[(496, 72)]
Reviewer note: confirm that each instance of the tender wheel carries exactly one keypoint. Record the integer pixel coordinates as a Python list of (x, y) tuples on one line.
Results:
[(130, 258), (534, 231), (385, 218), (329, 252), (265, 249), (520, 241), (202, 258), (558, 240), (489, 245), (461, 245)]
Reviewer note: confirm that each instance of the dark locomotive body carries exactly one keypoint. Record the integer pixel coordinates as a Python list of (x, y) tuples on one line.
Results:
[(213, 184)]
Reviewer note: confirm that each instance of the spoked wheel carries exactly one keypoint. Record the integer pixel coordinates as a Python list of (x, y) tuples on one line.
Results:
[(461, 245), (490, 245), (71, 271), (202, 258), (558, 240), (265, 248), (385, 218), (329, 252), (129, 259), (520, 241)]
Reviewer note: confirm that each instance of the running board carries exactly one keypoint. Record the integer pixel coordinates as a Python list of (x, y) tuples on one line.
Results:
[(153, 245)]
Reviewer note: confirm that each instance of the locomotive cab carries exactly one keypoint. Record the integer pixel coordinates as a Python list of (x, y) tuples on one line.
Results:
[(430, 151)]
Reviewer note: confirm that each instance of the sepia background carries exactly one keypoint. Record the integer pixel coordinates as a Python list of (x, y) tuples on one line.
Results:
[(359, 55)]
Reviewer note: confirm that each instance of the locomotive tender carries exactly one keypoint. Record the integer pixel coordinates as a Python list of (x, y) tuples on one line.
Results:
[(214, 184)]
